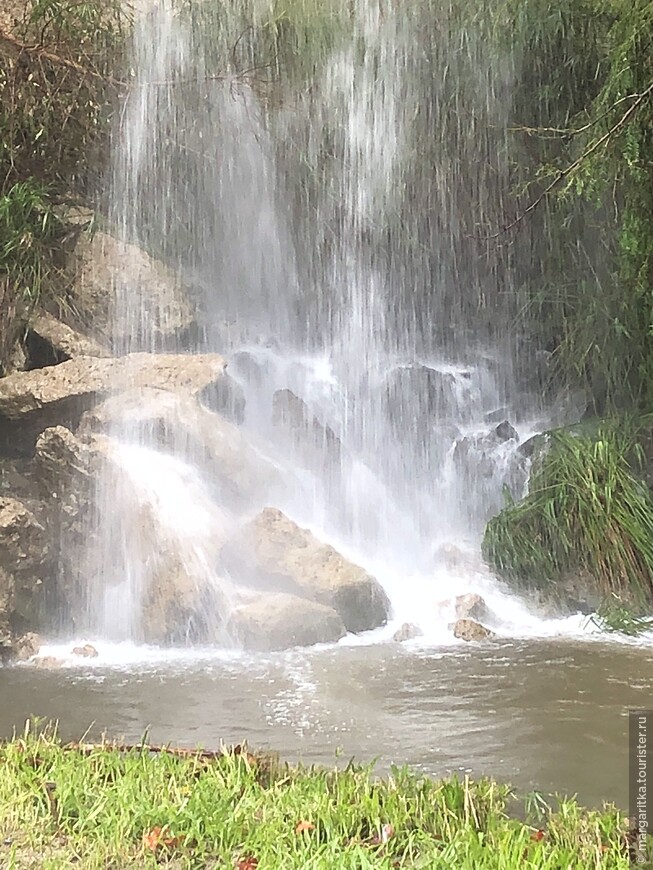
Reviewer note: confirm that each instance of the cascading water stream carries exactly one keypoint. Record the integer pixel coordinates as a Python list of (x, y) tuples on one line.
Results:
[(325, 238)]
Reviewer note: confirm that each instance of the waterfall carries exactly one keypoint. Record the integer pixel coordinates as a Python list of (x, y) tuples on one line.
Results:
[(321, 180)]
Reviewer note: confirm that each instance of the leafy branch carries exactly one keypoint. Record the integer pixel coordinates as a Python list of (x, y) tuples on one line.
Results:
[(569, 170)]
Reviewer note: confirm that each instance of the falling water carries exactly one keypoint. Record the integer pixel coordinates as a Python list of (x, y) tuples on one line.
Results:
[(325, 210)]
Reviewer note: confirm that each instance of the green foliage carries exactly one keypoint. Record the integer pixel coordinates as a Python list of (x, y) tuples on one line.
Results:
[(584, 112), (585, 512), (102, 807), (56, 84), (613, 617), (56, 91), (29, 255)]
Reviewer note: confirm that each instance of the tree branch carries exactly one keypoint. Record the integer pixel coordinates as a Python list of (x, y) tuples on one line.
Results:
[(569, 170), (15, 48)]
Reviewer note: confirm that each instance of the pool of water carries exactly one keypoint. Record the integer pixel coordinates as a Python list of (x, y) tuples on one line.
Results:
[(546, 714)]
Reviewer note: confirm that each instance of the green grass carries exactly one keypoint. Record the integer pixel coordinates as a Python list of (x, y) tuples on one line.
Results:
[(106, 807), (586, 512)]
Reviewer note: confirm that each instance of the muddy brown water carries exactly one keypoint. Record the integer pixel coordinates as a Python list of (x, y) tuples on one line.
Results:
[(546, 715)]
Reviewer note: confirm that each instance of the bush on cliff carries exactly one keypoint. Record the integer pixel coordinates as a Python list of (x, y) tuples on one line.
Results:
[(586, 515)]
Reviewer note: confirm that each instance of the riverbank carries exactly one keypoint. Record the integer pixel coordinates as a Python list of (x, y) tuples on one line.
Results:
[(98, 806)]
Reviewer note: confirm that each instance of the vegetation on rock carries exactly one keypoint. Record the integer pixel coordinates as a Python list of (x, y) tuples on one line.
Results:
[(586, 514)]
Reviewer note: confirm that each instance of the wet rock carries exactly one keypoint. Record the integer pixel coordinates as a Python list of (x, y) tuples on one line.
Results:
[(47, 663), (533, 445), (455, 558), (505, 431), (274, 552), (280, 621), (225, 397), (25, 558), (471, 606), (68, 469), (306, 430), (26, 646), (184, 427), (58, 395), (248, 367), (470, 630), (107, 270), (496, 416), (418, 389), (408, 631), (49, 342), (87, 651), (174, 608)]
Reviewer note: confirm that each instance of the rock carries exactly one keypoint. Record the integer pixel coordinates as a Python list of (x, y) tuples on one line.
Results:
[(25, 558), (47, 663), (408, 631), (49, 342), (87, 651), (471, 606), (421, 394), (536, 444), (32, 401), (26, 646), (181, 425), (275, 552), (280, 621), (291, 413), (496, 416), (106, 270), (456, 558), (470, 630), (248, 367), (225, 397), (505, 431), (68, 470)]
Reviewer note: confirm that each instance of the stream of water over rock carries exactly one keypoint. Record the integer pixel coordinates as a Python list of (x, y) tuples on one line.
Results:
[(326, 235)]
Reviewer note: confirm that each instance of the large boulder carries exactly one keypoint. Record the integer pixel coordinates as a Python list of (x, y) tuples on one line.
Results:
[(106, 270), (279, 621), (171, 596), (182, 426), (274, 552), (58, 395), (68, 469)]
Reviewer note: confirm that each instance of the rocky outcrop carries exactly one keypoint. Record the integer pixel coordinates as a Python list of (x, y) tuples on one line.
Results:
[(49, 341), (106, 270), (181, 425), (26, 646), (68, 469), (279, 621), (58, 395), (273, 551), (25, 560), (470, 630), (408, 631)]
